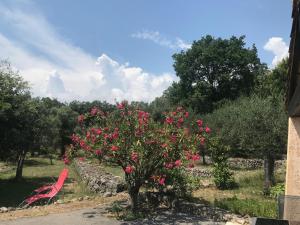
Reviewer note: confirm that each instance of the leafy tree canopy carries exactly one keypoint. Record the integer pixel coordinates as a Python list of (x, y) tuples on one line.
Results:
[(214, 69)]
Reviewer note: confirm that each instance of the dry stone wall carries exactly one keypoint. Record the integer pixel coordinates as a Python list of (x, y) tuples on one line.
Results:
[(98, 180), (241, 163)]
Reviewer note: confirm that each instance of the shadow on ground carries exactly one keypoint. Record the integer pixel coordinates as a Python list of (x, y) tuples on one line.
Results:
[(162, 216), (13, 192)]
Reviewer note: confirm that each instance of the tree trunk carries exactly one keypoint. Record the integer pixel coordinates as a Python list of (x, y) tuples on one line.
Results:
[(20, 164), (62, 150), (269, 165), (51, 160), (203, 156), (134, 197)]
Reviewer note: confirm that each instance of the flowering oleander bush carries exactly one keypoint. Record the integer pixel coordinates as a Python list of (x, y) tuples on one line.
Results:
[(148, 152)]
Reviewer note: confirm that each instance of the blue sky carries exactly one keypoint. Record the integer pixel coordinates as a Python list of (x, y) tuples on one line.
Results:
[(115, 49)]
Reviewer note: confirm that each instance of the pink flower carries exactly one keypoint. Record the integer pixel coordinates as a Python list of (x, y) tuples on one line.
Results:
[(169, 120), (81, 159), (98, 131), (186, 115), (195, 157), (87, 148), (94, 111), (88, 135), (179, 109), (169, 166), (80, 118), (188, 156), (115, 135), (66, 160), (177, 163), (207, 129), (199, 122), (121, 105), (98, 152), (173, 138), (82, 143), (134, 156), (75, 138), (191, 165), (114, 148), (141, 114), (162, 181), (93, 139), (179, 122), (164, 145), (129, 169), (202, 140)]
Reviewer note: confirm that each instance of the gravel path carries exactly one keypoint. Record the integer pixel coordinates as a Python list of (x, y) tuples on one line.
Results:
[(93, 216)]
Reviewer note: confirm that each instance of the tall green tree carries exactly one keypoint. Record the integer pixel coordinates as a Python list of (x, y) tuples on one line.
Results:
[(212, 70), (253, 127), (18, 114), (274, 82)]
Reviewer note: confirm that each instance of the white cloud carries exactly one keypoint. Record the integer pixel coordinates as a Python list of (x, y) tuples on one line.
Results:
[(57, 68), (278, 47), (159, 39)]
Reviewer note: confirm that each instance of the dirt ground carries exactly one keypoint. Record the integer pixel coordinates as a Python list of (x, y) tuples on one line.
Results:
[(60, 208)]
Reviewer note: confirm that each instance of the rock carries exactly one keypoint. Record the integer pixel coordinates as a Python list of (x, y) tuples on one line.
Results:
[(107, 194), (199, 172), (86, 197), (11, 208), (3, 209), (73, 199), (232, 223), (60, 201)]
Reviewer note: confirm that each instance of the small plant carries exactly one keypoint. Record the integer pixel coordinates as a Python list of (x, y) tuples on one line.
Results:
[(116, 208), (277, 190), (223, 178)]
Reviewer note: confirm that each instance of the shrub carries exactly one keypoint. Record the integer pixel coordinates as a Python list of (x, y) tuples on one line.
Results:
[(277, 190), (148, 152), (222, 176)]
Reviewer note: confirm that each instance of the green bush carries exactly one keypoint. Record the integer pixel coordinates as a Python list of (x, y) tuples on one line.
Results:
[(223, 178), (277, 190)]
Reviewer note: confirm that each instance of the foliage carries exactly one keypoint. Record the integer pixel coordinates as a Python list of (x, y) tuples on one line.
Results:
[(214, 69), (148, 152), (223, 178), (30, 124), (274, 82), (85, 107), (247, 126), (14, 105), (277, 190)]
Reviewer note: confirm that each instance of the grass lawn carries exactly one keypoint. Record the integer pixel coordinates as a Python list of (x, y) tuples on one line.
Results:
[(37, 172), (248, 198)]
